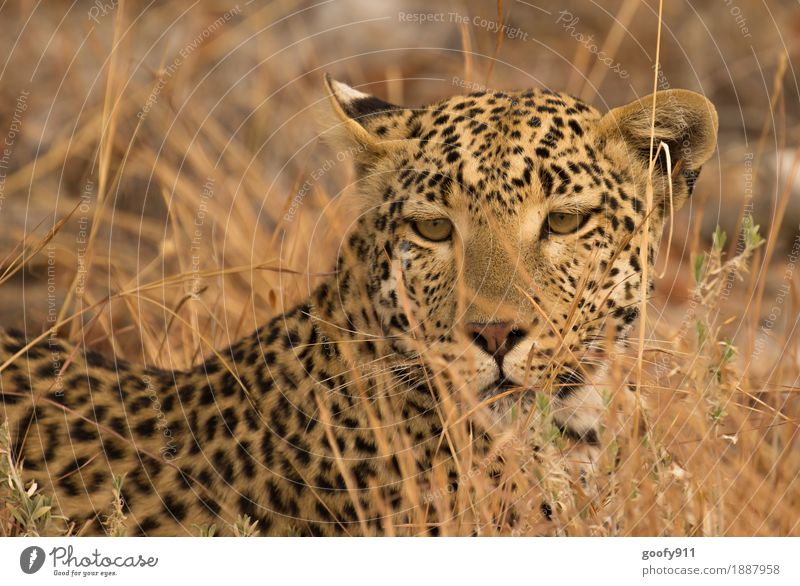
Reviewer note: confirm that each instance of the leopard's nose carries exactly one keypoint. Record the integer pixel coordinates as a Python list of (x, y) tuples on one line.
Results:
[(495, 338)]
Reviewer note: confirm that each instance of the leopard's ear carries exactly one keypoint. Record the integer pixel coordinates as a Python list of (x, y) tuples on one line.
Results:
[(685, 121), (369, 123)]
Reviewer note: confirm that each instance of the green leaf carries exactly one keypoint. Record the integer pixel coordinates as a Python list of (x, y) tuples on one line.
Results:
[(717, 413), (542, 403), (699, 267), (701, 333), (207, 530), (752, 239), (40, 512), (18, 517), (719, 239), (728, 351)]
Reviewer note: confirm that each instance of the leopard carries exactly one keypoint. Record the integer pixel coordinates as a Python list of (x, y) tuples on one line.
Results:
[(501, 243)]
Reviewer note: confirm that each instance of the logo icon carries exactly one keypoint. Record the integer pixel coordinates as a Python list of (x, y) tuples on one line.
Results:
[(31, 559)]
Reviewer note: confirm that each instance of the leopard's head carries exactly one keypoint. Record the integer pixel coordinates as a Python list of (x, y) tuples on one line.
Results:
[(505, 235)]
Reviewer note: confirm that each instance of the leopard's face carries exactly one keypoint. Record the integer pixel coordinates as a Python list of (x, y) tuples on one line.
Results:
[(501, 234)]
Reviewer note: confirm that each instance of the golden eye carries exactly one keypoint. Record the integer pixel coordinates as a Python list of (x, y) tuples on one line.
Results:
[(435, 230), (564, 222)]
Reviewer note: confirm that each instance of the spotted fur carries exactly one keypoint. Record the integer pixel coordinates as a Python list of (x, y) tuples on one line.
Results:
[(281, 425)]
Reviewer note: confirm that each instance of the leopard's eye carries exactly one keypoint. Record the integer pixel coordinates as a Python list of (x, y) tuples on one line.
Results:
[(564, 222), (434, 230)]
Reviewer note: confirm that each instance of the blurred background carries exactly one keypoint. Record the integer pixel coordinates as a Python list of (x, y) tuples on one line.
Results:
[(176, 147)]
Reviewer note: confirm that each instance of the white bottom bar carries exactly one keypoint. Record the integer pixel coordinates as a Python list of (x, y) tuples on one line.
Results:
[(400, 561)]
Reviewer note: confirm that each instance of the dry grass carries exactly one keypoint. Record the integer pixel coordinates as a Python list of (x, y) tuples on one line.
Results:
[(181, 242)]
